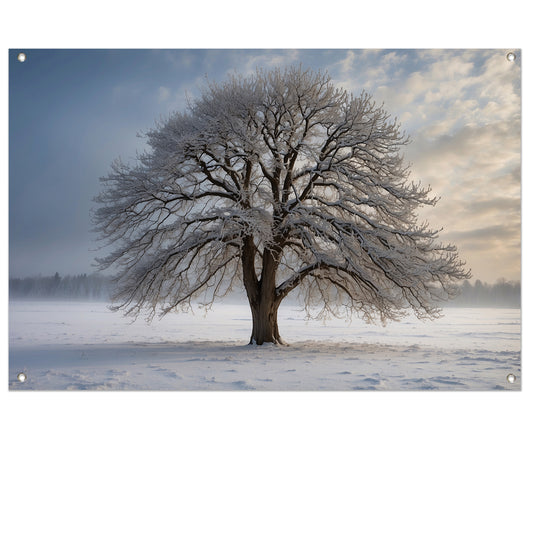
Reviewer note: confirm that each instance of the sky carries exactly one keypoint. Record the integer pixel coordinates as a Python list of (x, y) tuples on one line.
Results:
[(72, 112)]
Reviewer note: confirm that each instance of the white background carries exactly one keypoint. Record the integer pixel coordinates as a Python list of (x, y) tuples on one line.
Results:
[(256, 462)]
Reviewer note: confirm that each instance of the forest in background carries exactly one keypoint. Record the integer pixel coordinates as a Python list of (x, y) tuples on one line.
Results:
[(56, 287), (502, 293)]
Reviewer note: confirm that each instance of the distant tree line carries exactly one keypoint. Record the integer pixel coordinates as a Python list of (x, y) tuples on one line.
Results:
[(503, 293), (80, 287)]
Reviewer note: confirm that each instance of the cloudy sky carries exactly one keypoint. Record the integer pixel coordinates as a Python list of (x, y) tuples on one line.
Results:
[(71, 112)]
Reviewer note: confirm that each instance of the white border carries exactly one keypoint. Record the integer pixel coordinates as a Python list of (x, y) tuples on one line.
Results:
[(189, 462)]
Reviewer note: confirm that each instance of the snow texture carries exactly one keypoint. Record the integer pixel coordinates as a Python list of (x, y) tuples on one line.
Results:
[(85, 346)]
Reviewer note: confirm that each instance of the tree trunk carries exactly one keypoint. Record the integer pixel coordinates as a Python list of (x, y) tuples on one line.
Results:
[(261, 295), (265, 321)]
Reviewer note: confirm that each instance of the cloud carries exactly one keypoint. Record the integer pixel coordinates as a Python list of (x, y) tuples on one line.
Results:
[(478, 152), (492, 251), (455, 87), (177, 59), (476, 171), (246, 63), (367, 69), (126, 91), (463, 111), (346, 65), (500, 233), (163, 94)]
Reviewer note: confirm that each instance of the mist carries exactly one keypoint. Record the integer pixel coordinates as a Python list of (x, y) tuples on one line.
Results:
[(93, 286)]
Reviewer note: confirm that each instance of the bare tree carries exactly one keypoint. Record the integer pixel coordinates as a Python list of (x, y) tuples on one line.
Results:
[(278, 181)]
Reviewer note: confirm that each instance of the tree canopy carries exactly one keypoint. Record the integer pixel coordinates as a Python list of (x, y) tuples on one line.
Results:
[(279, 181)]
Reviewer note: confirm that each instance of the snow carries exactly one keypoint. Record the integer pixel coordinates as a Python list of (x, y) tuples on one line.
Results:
[(85, 346)]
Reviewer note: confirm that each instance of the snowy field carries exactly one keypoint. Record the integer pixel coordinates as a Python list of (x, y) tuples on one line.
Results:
[(85, 346)]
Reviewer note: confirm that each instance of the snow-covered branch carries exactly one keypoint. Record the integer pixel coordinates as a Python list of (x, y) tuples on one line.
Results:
[(281, 181)]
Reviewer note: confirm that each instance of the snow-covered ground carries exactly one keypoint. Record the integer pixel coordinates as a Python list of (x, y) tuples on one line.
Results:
[(85, 346)]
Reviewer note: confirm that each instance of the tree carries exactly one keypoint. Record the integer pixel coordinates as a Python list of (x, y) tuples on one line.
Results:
[(281, 181)]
